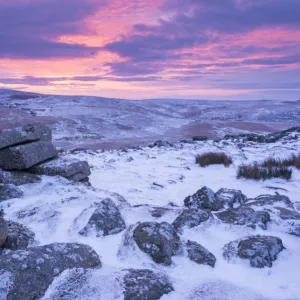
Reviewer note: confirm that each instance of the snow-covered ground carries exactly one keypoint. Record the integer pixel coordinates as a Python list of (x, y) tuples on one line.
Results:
[(140, 180)]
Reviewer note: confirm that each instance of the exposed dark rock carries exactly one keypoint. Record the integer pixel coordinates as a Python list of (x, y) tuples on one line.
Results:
[(260, 250), (288, 214), (203, 199), (199, 254), (19, 236), (245, 216), (72, 169), (158, 212), (190, 218), (24, 134), (18, 177), (27, 274), (9, 191), (230, 198), (145, 284), (160, 144), (200, 138), (159, 240), (3, 231), (105, 220), (27, 155)]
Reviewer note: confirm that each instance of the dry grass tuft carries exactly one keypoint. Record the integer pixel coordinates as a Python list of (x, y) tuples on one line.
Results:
[(213, 158)]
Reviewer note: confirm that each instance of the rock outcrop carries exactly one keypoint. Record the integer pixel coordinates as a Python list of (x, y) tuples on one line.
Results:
[(260, 250), (199, 254), (18, 177), (3, 231), (159, 240), (105, 220), (9, 191), (27, 274), (145, 284), (72, 169), (230, 198)]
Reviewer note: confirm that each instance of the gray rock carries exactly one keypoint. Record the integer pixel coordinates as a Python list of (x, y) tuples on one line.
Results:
[(190, 218), (288, 214), (27, 274), (260, 250), (145, 284), (161, 143), (72, 169), (3, 231), (18, 178), (9, 191), (203, 199), (19, 236), (230, 198), (245, 216), (199, 254), (24, 134), (105, 220), (200, 138), (159, 240), (27, 155), (270, 200)]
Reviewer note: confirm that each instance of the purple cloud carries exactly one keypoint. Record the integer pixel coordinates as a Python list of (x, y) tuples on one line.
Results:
[(29, 28)]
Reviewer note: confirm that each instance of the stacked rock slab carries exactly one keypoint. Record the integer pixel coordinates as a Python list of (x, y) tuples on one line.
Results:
[(25, 146), (29, 148)]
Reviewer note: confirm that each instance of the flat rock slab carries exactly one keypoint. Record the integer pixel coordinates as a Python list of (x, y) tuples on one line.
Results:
[(199, 254), (27, 274), (72, 169), (24, 134), (27, 155)]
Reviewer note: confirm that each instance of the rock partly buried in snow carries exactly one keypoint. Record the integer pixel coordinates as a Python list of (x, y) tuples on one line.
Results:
[(260, 250), (199, 254), (30, 272), (159, 240), (9, 191), (270, 200), (230, 198), (222, 290), (288, 214), (27, 155), (72, 169), (203, 199), (24, 134), (19, 237), (18, 177), (200, 138), (3, 231), (161, 143), (245, 216), (105, 220), (145, 284), (190, 218)]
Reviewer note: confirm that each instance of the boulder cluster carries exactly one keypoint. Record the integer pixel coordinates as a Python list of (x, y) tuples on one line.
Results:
[(27, 152)]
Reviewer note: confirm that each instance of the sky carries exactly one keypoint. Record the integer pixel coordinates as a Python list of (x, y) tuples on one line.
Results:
[(138, 49)]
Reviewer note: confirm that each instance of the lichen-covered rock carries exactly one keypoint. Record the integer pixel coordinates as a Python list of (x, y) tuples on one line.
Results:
[(203, 199), (105, 220), (72, 169), (159, 240), (24, 134), (190, 218), (18, 177), (3, 231), (199, 254), (145, 284), (244, 216), (260, 250), (9, 191), (18, 237), (25, 156), (27, 274), (230, 198)]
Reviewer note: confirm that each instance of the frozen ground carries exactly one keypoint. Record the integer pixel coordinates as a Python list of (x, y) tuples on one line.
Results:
[(56, 210), (97, 122)]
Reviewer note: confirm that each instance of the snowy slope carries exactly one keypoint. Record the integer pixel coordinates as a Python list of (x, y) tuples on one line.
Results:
[(56, 210)]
